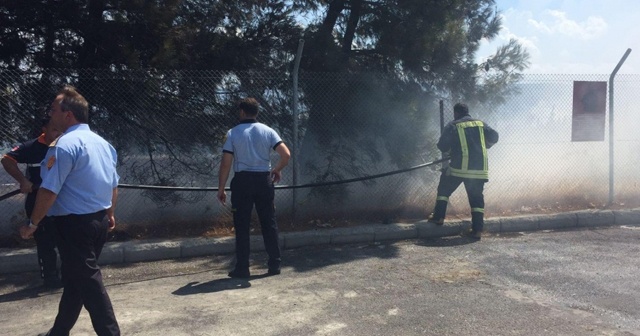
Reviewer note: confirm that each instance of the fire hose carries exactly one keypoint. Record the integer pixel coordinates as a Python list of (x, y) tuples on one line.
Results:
[(309, 185)]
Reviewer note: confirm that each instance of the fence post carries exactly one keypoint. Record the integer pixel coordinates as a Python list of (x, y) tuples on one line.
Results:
[(441, 116), (441, 123), (294, 156), (613, 74)]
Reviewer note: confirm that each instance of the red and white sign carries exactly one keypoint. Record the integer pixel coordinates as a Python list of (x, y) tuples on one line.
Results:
[(589, 111)]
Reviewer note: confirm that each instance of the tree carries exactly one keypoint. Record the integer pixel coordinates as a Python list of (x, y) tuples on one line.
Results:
[(119, 54), (390, 59), (426, 48)]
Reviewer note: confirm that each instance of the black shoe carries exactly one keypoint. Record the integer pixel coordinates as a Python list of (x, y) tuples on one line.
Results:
[(52, 283), (435, 221), (475, 235), (239, 274), (45, 334), (274, 271)]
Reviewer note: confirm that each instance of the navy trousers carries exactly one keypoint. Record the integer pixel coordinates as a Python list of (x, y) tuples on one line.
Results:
[(80, 240), (249, 189), (45, 242)]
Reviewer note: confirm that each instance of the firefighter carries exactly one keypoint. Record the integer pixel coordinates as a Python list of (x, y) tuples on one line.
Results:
[(466, 140), (32, 153)]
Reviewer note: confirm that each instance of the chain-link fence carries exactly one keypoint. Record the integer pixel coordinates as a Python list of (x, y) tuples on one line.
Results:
[(168, 128)]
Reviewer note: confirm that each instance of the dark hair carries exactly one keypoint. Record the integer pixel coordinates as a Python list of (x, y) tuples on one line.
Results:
[(461, 109), (250, 106), (74, 102)]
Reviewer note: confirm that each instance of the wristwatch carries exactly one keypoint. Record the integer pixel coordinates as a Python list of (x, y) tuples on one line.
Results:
[(32, 226)]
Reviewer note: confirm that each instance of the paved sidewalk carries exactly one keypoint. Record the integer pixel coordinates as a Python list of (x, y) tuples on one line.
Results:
[(21, 260), (569, 282)]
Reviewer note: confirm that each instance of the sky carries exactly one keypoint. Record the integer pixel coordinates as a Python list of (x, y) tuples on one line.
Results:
[(571, 36)]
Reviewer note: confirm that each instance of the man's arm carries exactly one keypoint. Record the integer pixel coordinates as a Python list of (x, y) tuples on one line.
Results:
[(223, 175), (44, 200), (111, 211), (11, 166), (444, 143), (490, 135), (285, 155)]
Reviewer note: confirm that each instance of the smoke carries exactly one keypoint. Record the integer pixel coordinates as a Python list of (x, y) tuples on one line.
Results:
[(536, 167)]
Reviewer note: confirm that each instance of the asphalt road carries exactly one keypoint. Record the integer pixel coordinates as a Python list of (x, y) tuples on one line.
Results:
[(578, 282)]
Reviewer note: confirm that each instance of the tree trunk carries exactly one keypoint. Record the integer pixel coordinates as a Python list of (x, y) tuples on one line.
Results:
[(92, 40), (325, 36), (350, 33)]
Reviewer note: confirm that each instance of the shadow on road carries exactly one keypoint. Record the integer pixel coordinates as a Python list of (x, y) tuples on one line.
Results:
[(447, 241), (26, 293), (216, 285)]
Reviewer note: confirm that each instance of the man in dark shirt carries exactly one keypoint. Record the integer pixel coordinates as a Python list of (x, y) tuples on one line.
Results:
[(32, 153)]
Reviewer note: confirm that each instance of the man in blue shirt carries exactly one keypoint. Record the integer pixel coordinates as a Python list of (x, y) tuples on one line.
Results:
[(31, 153), (79, 190), (248, 148)]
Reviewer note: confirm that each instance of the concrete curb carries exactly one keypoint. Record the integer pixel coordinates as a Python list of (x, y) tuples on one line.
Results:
[(565, 220), (22, 260), (595, 218)]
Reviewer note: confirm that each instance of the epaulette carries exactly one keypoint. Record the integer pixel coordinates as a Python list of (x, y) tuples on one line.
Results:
[(54, 142)]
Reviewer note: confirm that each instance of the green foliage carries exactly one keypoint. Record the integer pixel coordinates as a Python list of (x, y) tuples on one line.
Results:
[(426, 48), (415, 52)]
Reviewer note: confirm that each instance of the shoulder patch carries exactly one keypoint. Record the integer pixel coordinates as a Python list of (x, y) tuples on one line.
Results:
[(51, 161)]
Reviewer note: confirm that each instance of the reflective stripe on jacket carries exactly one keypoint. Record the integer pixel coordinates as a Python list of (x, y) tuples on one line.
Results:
[(467, 140)]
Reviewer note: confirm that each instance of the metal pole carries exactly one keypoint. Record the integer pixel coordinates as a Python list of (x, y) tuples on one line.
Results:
[(441, 122), (613, 74), (294, 156), (441, 115)]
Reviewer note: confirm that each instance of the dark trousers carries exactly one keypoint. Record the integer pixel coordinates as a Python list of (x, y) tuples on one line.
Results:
[(45, 242), (46, 248), (474, 187), (80, 240), (249, 189)]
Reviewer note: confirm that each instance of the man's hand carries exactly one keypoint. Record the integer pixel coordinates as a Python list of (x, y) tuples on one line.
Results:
[(445, 166), (112, 222), (26, 231), (26, 186), (222, 196), (275, 176)]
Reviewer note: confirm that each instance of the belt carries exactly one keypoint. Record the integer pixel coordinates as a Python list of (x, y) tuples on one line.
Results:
[(33, 165), (249, 173), (82, 215)]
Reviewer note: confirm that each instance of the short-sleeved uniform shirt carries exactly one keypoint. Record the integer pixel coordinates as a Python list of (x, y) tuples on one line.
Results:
[(80, 168), (251, 143), (31, 153)]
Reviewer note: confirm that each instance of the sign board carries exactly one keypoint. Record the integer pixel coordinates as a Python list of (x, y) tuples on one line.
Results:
[(589, 111)]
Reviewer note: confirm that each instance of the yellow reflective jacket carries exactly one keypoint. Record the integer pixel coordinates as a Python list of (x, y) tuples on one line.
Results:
[(467, 139)]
